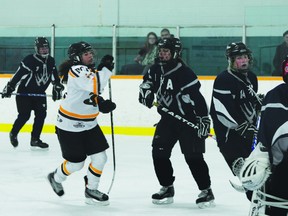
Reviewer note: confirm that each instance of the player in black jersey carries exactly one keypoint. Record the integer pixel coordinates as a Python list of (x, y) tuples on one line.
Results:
[(235, 105), (182, 107), (271, 154), (35, 73)]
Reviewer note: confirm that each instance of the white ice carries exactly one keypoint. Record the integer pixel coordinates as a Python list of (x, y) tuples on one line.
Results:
[(24, 190)]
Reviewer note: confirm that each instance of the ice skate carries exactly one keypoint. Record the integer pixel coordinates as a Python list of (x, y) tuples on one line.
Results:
[(37, 144), (95, 197), (13, 140), (164, 196), (57, 187), (206, 199)]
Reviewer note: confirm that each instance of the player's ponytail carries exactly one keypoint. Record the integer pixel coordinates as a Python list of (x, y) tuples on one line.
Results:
[(64, 69)]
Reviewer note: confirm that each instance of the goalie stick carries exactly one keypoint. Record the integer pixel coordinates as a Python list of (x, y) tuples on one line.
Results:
[(30, 94)]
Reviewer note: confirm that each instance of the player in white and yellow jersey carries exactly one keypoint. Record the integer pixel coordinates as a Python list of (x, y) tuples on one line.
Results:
[(77, 129)]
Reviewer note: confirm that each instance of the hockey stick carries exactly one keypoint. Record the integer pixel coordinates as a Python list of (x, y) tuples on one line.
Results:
[(180, 118), (112, 137), (30, 94)]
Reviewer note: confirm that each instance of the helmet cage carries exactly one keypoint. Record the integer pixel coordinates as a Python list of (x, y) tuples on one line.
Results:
[(173, 44), (41, 42), (237, 49)]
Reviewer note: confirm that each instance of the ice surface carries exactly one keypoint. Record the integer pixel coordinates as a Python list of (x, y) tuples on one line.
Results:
[(24, 190)]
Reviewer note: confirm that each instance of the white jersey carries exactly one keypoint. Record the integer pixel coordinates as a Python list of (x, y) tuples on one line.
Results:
[(76, 113)]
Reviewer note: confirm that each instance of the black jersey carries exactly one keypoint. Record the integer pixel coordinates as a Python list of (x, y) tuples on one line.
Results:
[(233, 101), (177, 88), (273, 130), (35, 74)]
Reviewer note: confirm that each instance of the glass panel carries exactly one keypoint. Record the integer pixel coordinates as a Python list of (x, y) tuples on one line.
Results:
[(203, 46)]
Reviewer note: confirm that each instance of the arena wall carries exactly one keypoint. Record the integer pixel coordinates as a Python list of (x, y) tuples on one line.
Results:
[(129, 118)]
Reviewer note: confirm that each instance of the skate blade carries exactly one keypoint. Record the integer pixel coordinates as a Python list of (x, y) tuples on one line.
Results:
[(91, 201), (164, 201), (209, 204), (36, 148)]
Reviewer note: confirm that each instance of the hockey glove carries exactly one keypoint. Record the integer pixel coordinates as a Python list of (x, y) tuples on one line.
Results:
[(105, 106), (203, 124), (7, 91), (91, 100), (57, 91), (146, 95), (246, 130), (256, 168), (106, 61)]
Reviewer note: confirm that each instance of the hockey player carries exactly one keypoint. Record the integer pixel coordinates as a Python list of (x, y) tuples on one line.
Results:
[(77, 129), (235, 105), (35, 73), (177, 89), (273, 137)]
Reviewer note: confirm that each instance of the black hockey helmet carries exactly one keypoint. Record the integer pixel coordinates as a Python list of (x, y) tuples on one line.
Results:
[(173, 44), (42, 42), (285, 70), (76, 50), (236, 49)]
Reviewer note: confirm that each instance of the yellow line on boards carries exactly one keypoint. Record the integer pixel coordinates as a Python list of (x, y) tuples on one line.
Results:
[(265, 78), (132, 131)]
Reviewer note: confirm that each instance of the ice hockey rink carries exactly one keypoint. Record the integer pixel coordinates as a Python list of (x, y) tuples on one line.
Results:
[(25, 191)]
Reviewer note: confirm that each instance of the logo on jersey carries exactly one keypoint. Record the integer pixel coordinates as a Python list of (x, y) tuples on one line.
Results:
[(42, 77), (242, 94), (164, 95), (169, 84), (79, 125), (82, 69)]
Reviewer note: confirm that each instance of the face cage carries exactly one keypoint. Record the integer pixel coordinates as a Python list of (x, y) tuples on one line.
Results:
[(232, 59), (42, 55), (259, 203), (165, 55)]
